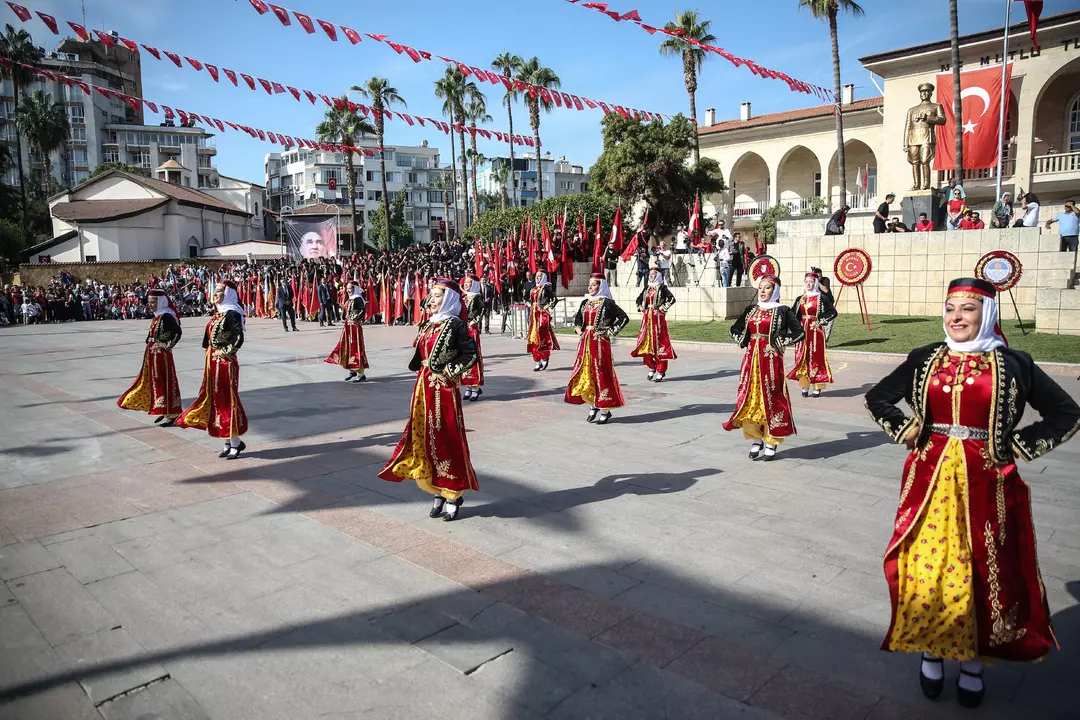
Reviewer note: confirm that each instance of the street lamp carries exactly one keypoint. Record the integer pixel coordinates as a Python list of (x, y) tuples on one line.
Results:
[(281, 226)]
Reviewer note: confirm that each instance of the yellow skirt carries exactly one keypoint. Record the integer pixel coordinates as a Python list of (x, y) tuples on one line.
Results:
[(751, 416), (935, 611)]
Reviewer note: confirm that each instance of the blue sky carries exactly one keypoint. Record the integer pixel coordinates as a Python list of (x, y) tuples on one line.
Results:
[(592, 55)]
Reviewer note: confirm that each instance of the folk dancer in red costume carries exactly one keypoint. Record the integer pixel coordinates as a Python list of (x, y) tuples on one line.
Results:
[(593, 381), (763, 408), (350, 353), (961, 565), (816, 313), (541, 338), (217, 409), (433, 450), (473, 379), (654, 342), (156, 390)]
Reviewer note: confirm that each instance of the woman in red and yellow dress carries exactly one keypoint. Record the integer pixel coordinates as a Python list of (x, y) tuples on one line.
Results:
[(217, 409), (473, 379), (815, 311), (593, 381), (433, 450), (763, 408), (156, 390), (350, 353), (541, 338), (654, 343), (961, 566)]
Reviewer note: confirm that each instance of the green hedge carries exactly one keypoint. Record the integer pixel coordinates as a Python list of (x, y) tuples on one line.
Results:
[(588, 204)]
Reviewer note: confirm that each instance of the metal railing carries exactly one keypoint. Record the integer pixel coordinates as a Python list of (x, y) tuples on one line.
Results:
[(1057, 163), (749, 209)]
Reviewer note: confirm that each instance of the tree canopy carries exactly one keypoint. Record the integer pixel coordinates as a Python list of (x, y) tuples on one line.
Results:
[(508, 221), (649, 162), (401, 234)]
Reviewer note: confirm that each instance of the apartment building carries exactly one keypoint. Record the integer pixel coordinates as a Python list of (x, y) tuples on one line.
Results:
[(300, 178), (104, 129), (556, 177)]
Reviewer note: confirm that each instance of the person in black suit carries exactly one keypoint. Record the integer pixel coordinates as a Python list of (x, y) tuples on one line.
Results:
[(285, 308), (487, 294), (325, 315)]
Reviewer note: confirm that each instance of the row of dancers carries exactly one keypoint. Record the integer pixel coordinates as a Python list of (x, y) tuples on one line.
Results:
[(961, 565)]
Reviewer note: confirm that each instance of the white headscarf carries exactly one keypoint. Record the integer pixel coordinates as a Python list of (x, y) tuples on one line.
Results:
[(356, 291), (817, 288), (543, 279), (474, 286), (451, 305), (163, 307), (659, 280), (989, 337), (231, 301), (774, 299), (602, 292)]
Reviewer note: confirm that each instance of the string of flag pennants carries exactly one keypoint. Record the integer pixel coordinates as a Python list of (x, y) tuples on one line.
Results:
[(287, 141), (559, 98), (757, 69), (270, 86)]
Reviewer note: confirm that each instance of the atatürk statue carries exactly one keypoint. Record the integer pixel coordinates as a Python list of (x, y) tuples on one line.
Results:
[(919, 136)]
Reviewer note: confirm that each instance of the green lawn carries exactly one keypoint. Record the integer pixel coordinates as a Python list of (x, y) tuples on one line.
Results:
[(891, 334)]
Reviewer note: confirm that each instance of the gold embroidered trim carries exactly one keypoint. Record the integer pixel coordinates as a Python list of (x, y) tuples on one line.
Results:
[(1003, 629)]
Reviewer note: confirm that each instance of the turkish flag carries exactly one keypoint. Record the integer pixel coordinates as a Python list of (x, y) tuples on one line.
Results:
[(980, 98), (617, 230), (1034, 10)]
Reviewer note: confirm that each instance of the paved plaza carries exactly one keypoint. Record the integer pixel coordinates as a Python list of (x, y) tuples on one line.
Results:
[(641, 570)]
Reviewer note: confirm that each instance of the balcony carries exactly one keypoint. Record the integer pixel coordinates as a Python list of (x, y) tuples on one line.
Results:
[(1058, 166), (748, 209)]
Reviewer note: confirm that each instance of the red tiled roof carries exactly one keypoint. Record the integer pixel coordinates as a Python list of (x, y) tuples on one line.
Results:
[(321, 208), (790, 116), (185, 195), (91, 211)]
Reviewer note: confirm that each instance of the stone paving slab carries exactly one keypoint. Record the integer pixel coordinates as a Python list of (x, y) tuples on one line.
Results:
[(642, 569)]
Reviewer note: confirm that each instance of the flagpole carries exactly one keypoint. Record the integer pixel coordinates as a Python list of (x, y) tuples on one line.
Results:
[(1004, 101)]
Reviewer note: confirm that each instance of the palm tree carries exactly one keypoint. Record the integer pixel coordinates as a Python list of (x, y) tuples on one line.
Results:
[(537, 75), (45, 125), (509, 64), (442, 182), (455, 91), (476, 112), (829, 10), (693, 28), (500, 174), (17, 45), (476, 159), (343, 126), (383, 96), (954, 60)]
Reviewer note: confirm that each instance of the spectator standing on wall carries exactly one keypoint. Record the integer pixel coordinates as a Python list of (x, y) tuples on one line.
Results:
[(641, 255), (739, 259), (881, 217), (924, 224), (1003, 211), (835, 225), (723, 263), (1068, 226)]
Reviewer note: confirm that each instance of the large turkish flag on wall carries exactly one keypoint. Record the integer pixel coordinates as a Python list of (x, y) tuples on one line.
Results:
[(980, 101)]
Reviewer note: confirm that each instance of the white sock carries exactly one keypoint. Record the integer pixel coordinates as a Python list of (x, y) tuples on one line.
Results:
[(770, 449), (227, 445), (966, 681), (932, 670), (450, 508)]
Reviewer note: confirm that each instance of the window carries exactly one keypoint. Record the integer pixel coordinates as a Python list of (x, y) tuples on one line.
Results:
[(256, 210), (817, 184), (6, 110), (80, 176), (335, 173), (372, 175), (204, 161), (568, 185), (78, 134), (1072, 138), (871, 182), (76, 114), (435, 196), (375, 195), (91, 258), (110, 156), (140, 159), (393, 177), (78, 157)]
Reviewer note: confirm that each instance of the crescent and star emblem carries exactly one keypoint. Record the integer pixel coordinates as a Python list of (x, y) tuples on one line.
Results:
[(969, 127)]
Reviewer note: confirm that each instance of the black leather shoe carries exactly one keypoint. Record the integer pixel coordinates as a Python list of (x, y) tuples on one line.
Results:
[(437, 507), (755, 450), (604, 418), (224, 452), (806, 393), (932, 688), (451, 516), (592, 415), (235, 452), (158, 419), (969, 698), (168, 423)]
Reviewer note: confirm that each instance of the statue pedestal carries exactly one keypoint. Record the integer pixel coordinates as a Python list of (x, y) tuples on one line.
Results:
[(921, 201)]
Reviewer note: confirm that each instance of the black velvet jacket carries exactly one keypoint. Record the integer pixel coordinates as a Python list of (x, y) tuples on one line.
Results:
[(663, 302), (547, 297), (454, 351), (355, 311), (609, 321), (228, 335), (167, 333), (474, 305), (826, 310), (785, 330), (1018, 382)]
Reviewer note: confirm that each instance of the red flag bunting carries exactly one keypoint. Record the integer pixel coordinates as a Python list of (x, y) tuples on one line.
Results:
[(249, 80), (282, 14), (305, 22), (106, 39), (20, 11), (212, 69), (80, 31), (153, 51), (194, 63), (260, 6), (354, 37), (328, 28), (50, 21), (230, 74), (174, 57)]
